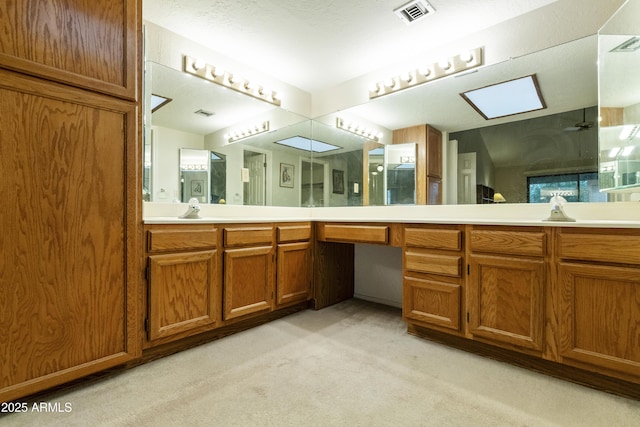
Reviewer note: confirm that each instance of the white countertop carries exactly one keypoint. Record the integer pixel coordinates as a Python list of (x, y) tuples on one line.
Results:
[(608, 215)]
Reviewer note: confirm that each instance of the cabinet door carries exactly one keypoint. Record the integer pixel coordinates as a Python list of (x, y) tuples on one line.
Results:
[(599, 310), (183, 292), (248, 281), (431, 302), (506, 300), (70, 264), (91, 44), (294, 273)]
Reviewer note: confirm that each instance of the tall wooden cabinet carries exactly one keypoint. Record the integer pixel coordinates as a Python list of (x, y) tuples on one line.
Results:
[(69, 153), (428, 142)]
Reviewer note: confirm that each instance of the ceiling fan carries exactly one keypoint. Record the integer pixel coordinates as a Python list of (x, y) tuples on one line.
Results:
[(583, 125)]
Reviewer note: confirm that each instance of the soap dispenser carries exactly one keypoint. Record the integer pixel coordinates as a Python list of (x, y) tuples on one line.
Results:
[(557, 211)]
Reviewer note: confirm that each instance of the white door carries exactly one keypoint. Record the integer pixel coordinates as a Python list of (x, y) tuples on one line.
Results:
[(467, 178), (255, 189)]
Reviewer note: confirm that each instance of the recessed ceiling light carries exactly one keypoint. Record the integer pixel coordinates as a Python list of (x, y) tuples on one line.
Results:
[(507, 98)]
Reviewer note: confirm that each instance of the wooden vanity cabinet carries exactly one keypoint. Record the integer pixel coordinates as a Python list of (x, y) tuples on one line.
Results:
[(294, 264), (249, 270), (432, 294), (598, 300), (508, 272), (183, 275)]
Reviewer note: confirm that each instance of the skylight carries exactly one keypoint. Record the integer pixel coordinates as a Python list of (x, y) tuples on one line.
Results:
[(507, 98), (158, 101), (307, 144)]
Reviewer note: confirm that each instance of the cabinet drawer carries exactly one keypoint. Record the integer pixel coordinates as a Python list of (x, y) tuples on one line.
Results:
[(424, 262), (165, 240), (432, 303), (508, 242), (354, 233), (433, 239), (599, 247), (294, 233), (248, 236)]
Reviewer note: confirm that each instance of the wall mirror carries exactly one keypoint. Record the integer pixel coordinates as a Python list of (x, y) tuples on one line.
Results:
[(556, 144), (187, 154), (619, 83)]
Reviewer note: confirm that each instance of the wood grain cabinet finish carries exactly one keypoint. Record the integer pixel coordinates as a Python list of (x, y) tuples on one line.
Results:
[(353, 233), (506, 294), (70, 267), (249, 270), (294, 264), (249, 276), (89, 44), (506, 300), (183, 293), (294, 273), (599, 300), (432, 277), (184, 281)]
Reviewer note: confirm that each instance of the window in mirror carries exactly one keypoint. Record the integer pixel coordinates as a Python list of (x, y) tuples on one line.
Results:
[(576, 187), (507, 98)]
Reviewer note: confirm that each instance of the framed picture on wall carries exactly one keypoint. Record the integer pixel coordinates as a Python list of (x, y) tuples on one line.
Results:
[(338, 181), (197, 188), (286, 175)]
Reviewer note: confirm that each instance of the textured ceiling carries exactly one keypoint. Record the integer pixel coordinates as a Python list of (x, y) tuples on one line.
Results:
[(314, 44)]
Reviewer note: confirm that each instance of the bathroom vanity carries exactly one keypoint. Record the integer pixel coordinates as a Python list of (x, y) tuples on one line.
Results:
[(559, 297)]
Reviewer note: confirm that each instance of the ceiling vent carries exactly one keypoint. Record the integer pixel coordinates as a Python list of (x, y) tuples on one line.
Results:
[(204, 113), (630, 45), (414, 10)]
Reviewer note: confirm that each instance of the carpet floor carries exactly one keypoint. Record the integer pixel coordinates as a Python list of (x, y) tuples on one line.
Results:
[(352, 364)]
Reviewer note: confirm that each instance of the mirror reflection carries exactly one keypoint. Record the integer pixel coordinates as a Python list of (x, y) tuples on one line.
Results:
[(188, 153), (302, 162), (619, 58), (484, 157)]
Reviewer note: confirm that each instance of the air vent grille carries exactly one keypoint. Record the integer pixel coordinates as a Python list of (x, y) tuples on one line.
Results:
[(414, 10), (630, 45), (204, 113)]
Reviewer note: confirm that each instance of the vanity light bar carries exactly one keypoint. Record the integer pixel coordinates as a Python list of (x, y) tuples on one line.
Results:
[(449, 66), (359, 130), (237, 135), (229, 80)]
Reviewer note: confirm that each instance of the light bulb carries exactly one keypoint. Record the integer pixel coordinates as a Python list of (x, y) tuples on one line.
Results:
[(198, 64), (424, 70), (444, 64), (466, 56)]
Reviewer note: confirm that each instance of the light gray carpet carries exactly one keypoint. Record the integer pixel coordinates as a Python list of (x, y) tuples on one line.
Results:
[(352, 364)]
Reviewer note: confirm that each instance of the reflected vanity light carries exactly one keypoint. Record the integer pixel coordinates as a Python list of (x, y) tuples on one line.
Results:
[(428, 72), (238, 134), (359, 130), (629, 132), (218, 75)]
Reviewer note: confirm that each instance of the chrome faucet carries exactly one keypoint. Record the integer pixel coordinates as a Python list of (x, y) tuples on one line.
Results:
[(193, 210)]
